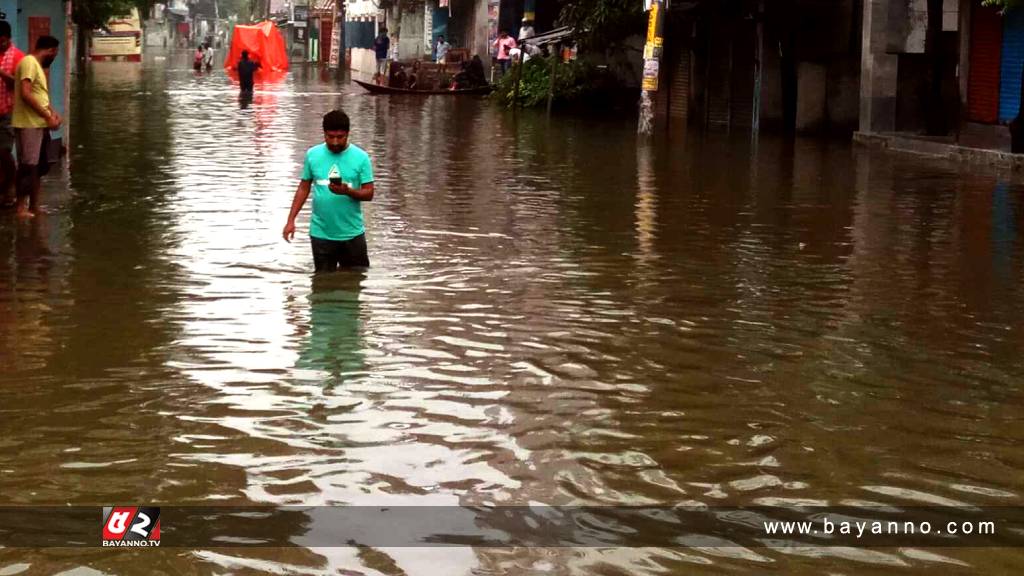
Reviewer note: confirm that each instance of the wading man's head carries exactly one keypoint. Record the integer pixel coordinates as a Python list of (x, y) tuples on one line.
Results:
[(336, 125)]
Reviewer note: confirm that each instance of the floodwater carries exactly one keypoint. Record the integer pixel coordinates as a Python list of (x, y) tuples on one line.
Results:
[(554, 314)]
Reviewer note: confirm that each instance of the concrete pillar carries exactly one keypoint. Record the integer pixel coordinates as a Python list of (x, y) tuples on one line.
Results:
[(481, 33), (964, 67), (428, 26), (878, 71)]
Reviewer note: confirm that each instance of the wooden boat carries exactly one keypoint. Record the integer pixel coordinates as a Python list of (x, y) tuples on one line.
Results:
[(378, 89)]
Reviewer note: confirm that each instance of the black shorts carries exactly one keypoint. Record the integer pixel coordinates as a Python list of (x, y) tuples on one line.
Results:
[(329, 255)]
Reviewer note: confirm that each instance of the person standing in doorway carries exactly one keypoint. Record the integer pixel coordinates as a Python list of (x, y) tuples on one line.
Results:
[(381, 49), (504, 43), (340, 176), (10, 56), (441, 50), (33, 118), (246, 71)]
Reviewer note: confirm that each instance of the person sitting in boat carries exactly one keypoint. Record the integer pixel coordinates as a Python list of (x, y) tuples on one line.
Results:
[(400, 79), (471, 76), (461, 80), (414, 76), (476, 72)]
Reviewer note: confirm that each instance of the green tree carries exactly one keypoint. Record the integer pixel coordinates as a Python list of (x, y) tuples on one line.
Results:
[(602, 24), (93, 14)]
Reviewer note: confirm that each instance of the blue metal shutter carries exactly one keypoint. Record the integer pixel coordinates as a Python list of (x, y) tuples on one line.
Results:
[(1012, 63)]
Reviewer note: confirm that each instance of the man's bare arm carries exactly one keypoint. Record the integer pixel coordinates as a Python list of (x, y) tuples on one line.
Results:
[(301, 193)]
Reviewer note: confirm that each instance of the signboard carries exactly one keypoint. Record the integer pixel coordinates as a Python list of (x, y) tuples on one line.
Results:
[(301, 14), (335, 54), (652, 24), (492, 24)]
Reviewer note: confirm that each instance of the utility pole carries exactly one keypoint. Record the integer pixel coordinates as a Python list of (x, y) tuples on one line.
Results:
[(652, 66), (216, 22)]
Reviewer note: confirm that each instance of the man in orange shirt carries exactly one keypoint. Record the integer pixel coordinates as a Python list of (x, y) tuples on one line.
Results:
[(10, 56)]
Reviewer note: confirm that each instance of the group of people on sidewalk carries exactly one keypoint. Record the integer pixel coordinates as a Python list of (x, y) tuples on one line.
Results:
[(506, 50), (26, 119)]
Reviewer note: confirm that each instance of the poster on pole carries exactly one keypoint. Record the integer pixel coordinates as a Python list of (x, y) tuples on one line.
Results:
[(492, 24), (650, 81)]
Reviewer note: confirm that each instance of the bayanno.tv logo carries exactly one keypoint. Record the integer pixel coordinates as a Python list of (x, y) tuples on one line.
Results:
[(133, 526)]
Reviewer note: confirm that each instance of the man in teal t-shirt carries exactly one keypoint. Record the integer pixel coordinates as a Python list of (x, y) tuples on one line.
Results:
[(341, 177)]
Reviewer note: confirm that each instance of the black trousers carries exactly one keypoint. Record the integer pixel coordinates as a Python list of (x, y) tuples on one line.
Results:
[(329, 255)]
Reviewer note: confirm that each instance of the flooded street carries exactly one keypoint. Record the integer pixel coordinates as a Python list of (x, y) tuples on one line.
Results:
[(553, 315)]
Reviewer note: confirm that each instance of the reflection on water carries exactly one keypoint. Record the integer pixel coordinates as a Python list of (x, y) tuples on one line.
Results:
[(555, 314), (334, 344)]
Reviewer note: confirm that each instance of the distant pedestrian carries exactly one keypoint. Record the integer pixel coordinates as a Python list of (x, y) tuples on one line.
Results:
[(340, 176), (197, 59), (441, 50), (33, 118), (381, 48), (246, 71), (504, 43), (10, 56), (208, 54)]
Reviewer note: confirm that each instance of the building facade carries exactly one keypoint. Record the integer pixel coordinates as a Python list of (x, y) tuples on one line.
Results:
[(791, 65), (31, 19)]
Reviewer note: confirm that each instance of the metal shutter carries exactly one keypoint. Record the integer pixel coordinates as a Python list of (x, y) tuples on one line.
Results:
[(679, 89), (1012, 63), (718, 76), (983, 75), (742, 104)]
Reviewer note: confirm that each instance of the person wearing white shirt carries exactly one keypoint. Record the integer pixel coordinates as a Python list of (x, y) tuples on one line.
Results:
[(526, 30), (208, 55), (441, 50)]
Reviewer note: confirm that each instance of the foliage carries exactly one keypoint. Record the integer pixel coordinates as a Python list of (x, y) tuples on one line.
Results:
[(601, 24), (240, 9), (1003, 5), (93, 14), (576, 83)]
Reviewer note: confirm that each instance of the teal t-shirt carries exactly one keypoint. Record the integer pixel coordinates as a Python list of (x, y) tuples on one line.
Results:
[(336, 217)]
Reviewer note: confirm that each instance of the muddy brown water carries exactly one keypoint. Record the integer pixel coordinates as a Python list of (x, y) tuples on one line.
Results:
[(554, 315)]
